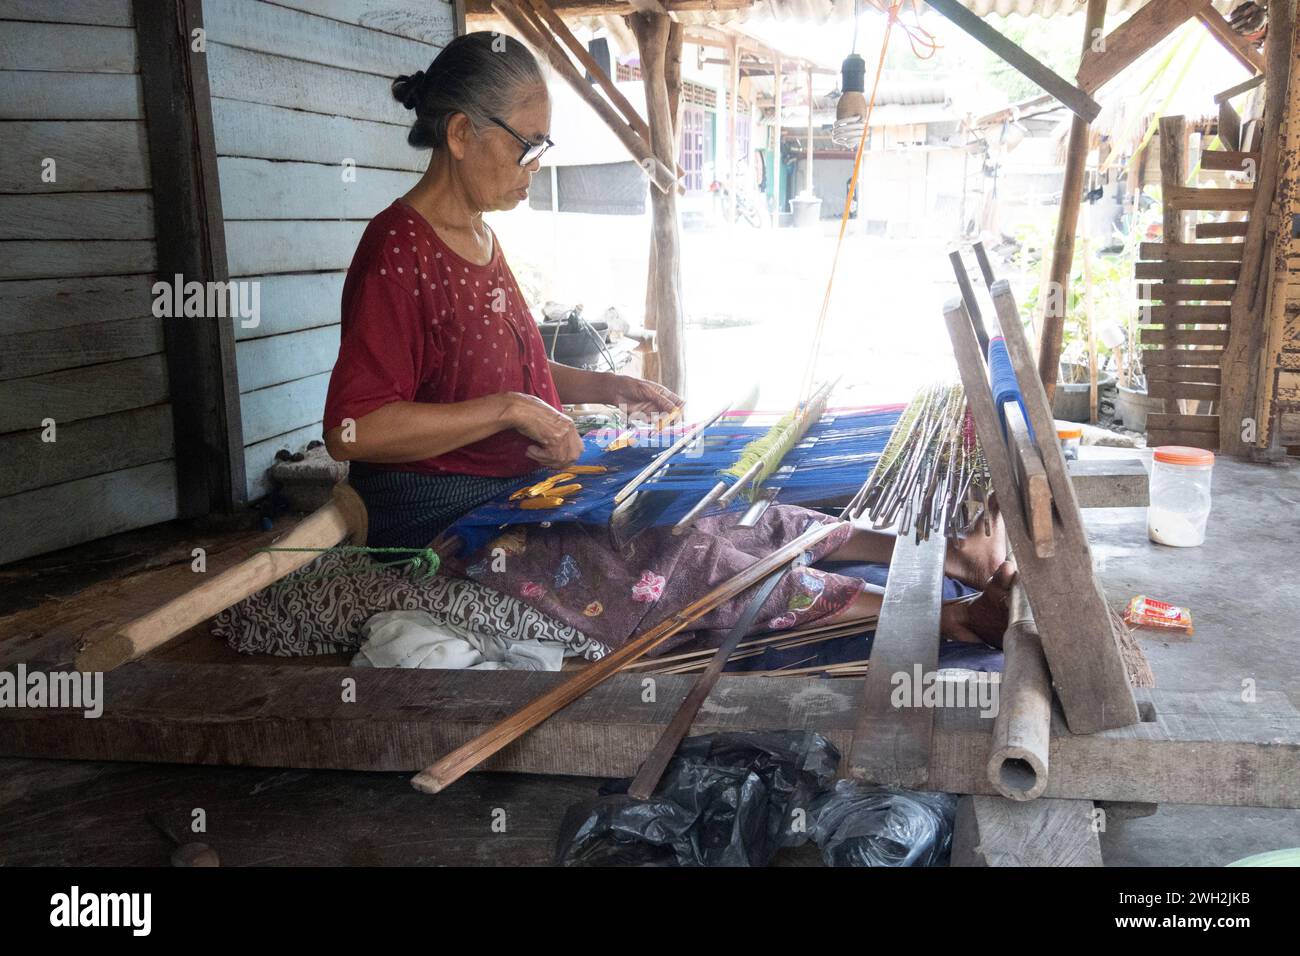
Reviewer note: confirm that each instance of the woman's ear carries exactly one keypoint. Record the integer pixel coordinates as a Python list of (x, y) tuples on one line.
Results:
[(459, 129)]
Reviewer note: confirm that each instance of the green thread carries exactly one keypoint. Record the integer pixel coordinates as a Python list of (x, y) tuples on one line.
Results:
[(422, 564)]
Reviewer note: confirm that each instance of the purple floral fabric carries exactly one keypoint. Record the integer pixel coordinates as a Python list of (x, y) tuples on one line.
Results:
[(575, 574)]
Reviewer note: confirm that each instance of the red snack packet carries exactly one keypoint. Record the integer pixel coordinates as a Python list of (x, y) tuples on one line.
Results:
[(1143, 611)]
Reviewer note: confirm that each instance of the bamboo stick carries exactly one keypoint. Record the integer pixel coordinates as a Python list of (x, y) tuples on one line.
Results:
[(1018, 758), (460, 761)]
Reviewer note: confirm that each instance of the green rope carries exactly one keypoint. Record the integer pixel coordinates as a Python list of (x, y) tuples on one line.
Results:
[(423, 563)]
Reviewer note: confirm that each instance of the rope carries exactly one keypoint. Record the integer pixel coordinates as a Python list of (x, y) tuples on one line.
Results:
[(924, 46)]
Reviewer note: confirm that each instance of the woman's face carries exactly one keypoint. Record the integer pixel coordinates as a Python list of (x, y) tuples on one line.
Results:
[(490, 162)]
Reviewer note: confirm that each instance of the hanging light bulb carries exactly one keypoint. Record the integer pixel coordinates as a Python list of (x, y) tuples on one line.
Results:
[(851, 111)]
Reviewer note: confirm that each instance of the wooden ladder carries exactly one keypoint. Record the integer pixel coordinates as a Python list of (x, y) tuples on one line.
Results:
[(1187, 289)]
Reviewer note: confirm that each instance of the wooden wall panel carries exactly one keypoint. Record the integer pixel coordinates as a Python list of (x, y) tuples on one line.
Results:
[(281, 408), (75, 511), (429, 21), (290, 303), (260, 189), (78, 341), (281, 358), (265, 247), (272, 132)]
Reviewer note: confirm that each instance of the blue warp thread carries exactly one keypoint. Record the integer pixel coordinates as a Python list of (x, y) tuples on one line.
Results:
[(1002, 382)]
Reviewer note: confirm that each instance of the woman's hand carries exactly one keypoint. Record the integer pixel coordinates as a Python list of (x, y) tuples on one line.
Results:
[(555, 437), (641, 397)]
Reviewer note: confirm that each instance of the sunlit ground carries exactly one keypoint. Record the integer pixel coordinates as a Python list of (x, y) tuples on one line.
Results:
[(752, 300)]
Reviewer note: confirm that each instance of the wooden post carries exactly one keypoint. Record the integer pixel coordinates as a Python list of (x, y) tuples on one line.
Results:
[(1090, 317), (1240, 361), (652, 36), (191, 244), (808, 171), (733, 107), (1076, 160), (1173, 175), (776, 156)]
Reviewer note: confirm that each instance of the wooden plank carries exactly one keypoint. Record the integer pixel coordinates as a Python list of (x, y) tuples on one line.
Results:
[(266, 246), (59, 516), (1071, 612), (90, 156), (995, 831), (281, 408), (1190, 251), (67, 48), (284, 358), (93, 446), (35, 353), (108, 13), (40, 304), (294, 84), (260, 456), (1077, 100), (1168, 271), (1132, 38), (82, 393), (1239, 47), (1221, 230), (1191, 439), (280, 31), (416, 19), (1189, 198), (1201, 747), (79, 216), (1172, 337), (1187, 314), (1245, 86), (1109, 482), (261, 189), (1031, 477), (191, 243), (1177, 356), (1177, 373), (891, 745), (70, 96), (25, 259), (1229, 160), (271, 132), (1186, 291), (1187, 390), (1229, 126), (1186, 423), (290, 303)]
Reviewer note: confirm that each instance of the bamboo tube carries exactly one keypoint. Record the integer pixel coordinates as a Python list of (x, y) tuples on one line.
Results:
[(324, 528), (465, 758), (1018, 758)]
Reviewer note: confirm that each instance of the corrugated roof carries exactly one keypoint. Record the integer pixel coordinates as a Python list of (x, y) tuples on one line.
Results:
[(821, 11)]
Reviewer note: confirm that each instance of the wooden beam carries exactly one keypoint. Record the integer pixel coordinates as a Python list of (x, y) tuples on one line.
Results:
[(1241, 358), (1243, 87), (576, 9), (892, 743), (1070, 610), (1109, 483), (1238, 46), (652, 36), (1198, 747), (1067, 224), (544, 43), (993, 831), (1132, 38), (1191, 251), (1031, 477), (190, 231), (1078, 101)]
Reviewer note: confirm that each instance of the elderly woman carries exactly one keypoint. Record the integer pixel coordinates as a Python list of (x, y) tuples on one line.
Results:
[(442, 395)]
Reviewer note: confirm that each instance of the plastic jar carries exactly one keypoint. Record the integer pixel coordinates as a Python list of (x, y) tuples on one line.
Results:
[(1070, 439), (1180, 495)]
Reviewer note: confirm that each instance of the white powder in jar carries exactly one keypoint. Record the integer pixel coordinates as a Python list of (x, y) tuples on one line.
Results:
[(1165, 526)]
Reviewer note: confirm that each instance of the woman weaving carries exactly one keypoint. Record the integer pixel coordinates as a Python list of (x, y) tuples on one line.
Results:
[(442, 395)]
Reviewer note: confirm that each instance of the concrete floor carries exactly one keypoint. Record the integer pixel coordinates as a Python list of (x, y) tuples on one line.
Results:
[(1244, 595), (1240, 585)]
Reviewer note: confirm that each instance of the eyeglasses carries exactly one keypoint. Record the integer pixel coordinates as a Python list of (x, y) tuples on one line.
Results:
[(532, 151)]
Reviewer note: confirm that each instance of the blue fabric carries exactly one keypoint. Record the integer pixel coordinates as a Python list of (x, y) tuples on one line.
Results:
[(1002, 382)]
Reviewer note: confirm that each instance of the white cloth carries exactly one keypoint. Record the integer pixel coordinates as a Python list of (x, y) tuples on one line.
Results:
[(417, 639)]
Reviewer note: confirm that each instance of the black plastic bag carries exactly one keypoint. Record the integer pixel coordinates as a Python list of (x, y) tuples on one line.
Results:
[(725, 800), (860, 825)]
